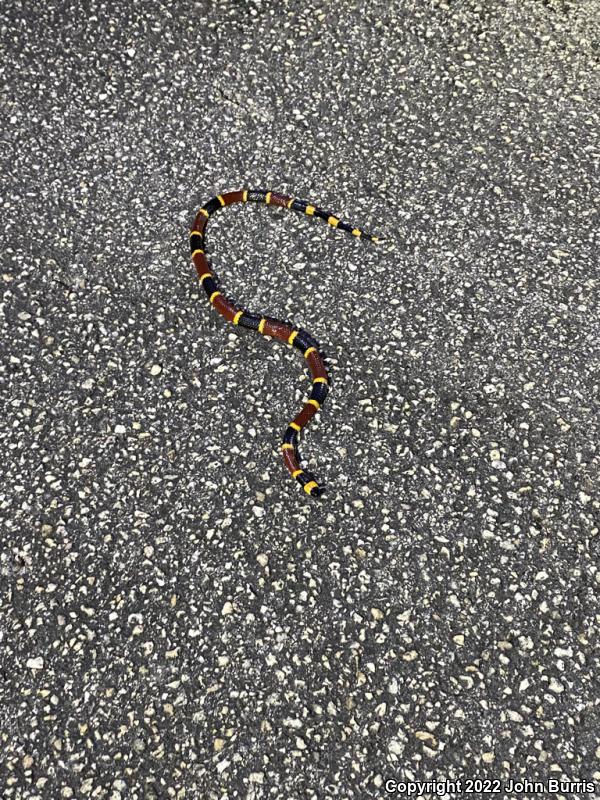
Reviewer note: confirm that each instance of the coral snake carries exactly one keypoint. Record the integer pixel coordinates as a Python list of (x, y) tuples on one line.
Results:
[(268, 326)]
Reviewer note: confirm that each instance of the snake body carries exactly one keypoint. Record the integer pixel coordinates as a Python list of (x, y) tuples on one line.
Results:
[(268, 326)]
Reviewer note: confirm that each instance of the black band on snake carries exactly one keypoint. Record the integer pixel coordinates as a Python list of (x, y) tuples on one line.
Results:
[(268, 326)]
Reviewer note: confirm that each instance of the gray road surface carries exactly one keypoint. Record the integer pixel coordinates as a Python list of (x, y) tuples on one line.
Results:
[(177, 618)]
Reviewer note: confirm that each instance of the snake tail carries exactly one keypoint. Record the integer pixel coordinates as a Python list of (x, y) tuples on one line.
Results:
[(268, 326)]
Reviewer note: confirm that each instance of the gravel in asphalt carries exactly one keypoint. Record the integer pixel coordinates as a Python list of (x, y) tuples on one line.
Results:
[(177, 618)]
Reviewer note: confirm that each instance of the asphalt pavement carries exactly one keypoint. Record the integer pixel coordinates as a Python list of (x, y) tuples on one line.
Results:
[(177, 618)]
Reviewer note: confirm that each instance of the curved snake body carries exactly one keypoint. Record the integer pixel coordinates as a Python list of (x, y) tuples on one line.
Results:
[(268, 326)]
